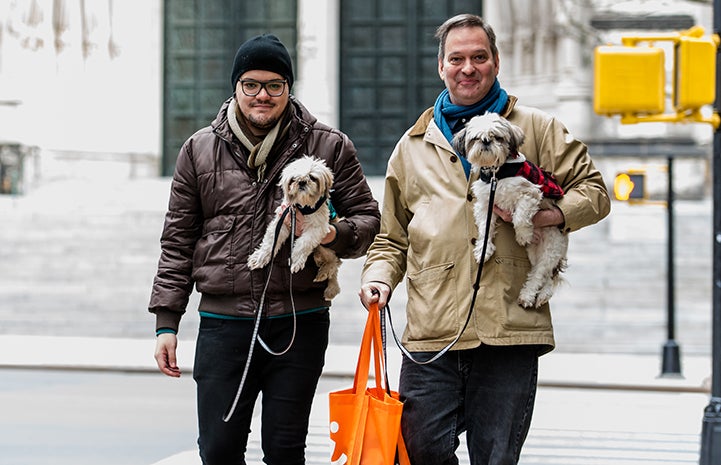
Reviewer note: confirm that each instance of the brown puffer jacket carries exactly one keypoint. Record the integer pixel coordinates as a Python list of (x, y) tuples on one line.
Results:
[(218, 212)]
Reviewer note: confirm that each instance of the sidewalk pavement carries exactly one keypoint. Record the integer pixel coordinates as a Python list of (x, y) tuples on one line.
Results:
[(559, 373), (557, 369)]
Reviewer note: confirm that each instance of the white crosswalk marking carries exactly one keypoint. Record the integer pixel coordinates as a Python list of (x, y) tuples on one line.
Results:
[(543, 446)]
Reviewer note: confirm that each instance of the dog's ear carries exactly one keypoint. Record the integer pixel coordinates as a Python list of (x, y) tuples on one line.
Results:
[(517, 137), (459, 142), (327, 180)]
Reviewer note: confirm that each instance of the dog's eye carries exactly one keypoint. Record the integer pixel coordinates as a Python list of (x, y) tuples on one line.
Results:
[(312, 178)]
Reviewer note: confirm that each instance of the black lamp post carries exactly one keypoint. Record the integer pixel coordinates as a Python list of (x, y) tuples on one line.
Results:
[(671, 360)]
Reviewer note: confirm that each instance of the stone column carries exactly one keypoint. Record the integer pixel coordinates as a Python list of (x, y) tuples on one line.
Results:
[(318, 74), (575, 85)]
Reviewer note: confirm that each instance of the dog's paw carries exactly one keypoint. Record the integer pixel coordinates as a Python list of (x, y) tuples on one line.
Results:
[(526, 300), (489, 252), (543, 297), (325, 272), (524, 236), (546, 292), (331, 290), (321, 276), (297, 264), (477, 254), (478, 250), (258, 260)]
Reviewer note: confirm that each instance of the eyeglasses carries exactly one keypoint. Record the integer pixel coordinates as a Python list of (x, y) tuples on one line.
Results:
[(251, 87)]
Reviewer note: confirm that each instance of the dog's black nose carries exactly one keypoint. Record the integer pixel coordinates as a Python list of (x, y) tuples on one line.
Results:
[(302, 183), (485, 141)]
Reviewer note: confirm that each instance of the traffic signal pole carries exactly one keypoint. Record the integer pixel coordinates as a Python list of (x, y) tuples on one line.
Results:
[(671, 357), (711, 428)]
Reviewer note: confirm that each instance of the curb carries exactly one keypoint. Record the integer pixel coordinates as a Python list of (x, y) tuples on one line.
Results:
[(556, 370)]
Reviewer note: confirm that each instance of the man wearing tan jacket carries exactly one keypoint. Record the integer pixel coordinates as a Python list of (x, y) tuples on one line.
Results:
[(486, 384)]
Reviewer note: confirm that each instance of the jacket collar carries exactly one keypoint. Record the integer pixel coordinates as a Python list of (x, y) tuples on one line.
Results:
[(420, 126), (301, 123)]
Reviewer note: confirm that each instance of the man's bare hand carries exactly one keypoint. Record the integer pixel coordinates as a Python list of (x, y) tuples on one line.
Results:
[(374, 292), (165, 346), (542, 219)]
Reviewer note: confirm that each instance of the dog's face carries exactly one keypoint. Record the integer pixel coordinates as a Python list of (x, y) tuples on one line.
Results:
[(306, 180), (488, 140)]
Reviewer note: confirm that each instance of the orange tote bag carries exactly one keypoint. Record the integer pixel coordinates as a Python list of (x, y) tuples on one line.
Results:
[(365, 421)]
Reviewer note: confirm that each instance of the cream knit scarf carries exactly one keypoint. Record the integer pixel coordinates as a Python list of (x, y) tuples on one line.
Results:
[(258, 152)]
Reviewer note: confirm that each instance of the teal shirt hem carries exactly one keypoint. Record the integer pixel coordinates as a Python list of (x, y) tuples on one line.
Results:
[(248, 318)]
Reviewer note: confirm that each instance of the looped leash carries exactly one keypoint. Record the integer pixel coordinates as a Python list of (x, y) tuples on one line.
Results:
[(476, 286), (231, 410)]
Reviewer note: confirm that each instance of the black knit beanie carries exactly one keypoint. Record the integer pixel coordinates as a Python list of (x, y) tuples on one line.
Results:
[(264, 52)]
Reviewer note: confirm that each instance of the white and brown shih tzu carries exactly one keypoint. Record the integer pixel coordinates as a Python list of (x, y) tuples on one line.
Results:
[(491, 144), (306, 184)]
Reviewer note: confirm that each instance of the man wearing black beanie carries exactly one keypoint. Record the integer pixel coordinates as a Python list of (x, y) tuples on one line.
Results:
[(225, 192), (262, 52)]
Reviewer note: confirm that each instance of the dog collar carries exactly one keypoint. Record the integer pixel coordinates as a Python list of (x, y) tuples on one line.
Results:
[(307, 210), (506, 170), (549, 186)]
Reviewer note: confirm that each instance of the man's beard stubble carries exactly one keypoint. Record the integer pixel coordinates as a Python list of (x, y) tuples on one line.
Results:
[(262, 123)]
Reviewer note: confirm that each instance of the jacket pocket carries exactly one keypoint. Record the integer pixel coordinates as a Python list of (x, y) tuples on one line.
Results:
[(509, 276), (432, 310), (213, 255)]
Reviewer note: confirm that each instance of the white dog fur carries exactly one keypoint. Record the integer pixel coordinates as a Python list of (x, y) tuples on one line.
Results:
[(305, 182), (488, 141)]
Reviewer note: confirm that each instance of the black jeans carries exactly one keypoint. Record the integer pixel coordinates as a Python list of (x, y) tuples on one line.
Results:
[(488, 392), (287, 383)]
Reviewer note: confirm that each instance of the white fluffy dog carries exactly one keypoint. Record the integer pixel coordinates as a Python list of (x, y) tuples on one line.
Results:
[(489, 142), (306, 184)]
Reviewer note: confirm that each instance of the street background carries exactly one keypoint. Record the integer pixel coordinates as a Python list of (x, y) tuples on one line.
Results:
[(78, 255)]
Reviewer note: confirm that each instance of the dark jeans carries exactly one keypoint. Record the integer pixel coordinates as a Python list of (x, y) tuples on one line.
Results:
[(287, 383), (488, 392)]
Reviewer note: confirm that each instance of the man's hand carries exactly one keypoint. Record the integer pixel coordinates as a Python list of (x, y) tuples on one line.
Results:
[(300, 222), (374, 292), (330, 237), (505, 215), (542, 219), (165, 346), (299, 219), (550, 217)]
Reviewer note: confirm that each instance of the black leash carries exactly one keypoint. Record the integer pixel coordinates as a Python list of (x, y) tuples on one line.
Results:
[(476, 286), (231, 410)]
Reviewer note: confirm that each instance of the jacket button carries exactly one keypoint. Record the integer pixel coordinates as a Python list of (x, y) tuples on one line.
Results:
[(469, 197), (454, 158), (473, 241)]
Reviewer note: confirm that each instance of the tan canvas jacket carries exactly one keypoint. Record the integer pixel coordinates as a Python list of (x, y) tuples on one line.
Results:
[(428, 234)]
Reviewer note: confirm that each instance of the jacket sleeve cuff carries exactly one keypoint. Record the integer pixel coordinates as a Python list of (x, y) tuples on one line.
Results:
[(167, 320), (160, 331), (345, 237)]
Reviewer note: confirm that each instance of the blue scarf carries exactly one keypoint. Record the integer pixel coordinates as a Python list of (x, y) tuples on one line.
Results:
[(446, 113)]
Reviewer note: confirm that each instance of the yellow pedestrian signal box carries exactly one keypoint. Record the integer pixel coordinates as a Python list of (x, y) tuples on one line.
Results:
[(695, 80), (628, 80), (630, 186)]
